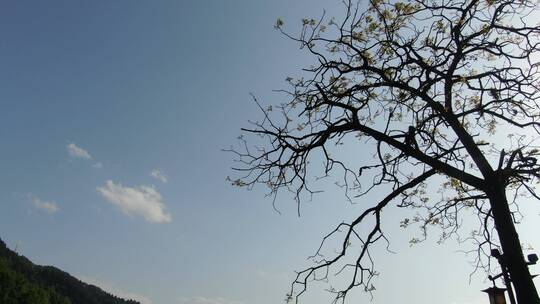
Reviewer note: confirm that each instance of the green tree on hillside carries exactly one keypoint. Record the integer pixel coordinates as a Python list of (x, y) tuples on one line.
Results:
[(21, 281), (15, 288)]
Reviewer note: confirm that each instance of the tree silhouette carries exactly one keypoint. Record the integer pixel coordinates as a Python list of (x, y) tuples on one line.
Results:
[(444, 93)]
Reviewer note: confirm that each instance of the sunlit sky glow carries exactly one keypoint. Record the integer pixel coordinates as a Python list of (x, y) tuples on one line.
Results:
[(113, 115)]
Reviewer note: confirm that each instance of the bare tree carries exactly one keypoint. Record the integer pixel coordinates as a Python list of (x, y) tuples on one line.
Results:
[(430, 86)]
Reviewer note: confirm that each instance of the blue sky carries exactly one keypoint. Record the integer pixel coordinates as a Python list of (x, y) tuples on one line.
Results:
[(113, 115)]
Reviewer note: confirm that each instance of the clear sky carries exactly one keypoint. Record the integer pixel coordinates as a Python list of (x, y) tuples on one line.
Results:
[(113, 115)]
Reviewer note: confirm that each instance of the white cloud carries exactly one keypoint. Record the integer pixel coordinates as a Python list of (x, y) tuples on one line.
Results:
[(50, 207), (77, 152), (205, 300), (159, 175), (98, 165), (114, 290), (143, 200)]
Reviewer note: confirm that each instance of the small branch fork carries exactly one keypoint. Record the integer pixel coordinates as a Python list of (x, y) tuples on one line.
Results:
[(361, 275)]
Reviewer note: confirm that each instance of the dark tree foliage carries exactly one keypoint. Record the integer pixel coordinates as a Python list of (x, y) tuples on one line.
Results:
[(21, 281), (437, 91), (16, 288)]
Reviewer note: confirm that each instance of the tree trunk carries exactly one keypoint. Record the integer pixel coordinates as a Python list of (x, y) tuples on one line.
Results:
[(512, 253)]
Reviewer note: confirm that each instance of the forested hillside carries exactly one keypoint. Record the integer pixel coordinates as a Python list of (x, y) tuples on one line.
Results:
[(21, 282)]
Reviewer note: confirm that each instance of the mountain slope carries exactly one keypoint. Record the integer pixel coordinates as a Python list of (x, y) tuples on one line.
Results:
[(21, 281)]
